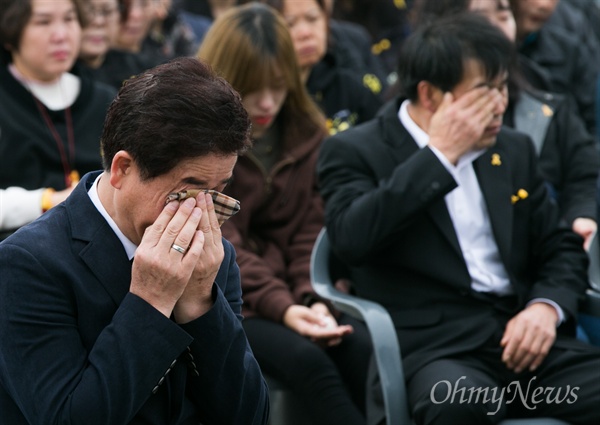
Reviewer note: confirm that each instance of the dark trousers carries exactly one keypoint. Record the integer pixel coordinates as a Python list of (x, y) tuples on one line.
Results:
[(329, 381), (461, 390)]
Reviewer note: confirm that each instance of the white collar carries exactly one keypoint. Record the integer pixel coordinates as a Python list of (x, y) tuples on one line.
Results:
[(57, 95), (129, 246), (417, 133)]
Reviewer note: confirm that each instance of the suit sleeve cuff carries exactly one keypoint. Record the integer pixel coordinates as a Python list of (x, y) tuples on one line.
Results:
[(442, 158)]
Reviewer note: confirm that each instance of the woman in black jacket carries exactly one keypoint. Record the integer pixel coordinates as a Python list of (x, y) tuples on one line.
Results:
[(346, 96), (51, 117)]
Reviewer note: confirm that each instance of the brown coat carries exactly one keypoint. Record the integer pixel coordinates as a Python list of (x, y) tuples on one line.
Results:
[(275, 230)]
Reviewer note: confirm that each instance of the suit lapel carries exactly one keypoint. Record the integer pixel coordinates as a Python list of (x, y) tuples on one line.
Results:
[(441, 217), (403, 146), (98, 246), (493, 175), (396, 136)]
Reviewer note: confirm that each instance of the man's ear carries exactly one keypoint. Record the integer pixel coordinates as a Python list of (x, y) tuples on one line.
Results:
[(430, 96), (121, 168)]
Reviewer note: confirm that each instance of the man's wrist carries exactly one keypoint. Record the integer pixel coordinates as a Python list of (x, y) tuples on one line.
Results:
[(187, 310), (559, 311)]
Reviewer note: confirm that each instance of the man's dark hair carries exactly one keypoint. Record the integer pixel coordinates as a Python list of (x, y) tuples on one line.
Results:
[(437, 52), (176, 111)]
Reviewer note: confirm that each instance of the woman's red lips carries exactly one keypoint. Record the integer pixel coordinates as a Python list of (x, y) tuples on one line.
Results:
[(306, 51), (262, 120)]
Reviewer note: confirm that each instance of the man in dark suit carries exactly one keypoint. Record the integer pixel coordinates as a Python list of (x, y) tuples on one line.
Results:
[(119, 308), (442, 217)]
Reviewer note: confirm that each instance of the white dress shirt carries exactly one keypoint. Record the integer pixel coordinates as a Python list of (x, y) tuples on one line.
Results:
[(469, 215)]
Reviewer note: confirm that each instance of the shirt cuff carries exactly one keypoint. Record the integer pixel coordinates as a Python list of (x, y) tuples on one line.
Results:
[(445, 162), (19, 206), (559, 311)]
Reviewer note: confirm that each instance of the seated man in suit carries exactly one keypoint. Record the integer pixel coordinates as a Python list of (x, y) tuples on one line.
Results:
[(117, 307), (442, 217)]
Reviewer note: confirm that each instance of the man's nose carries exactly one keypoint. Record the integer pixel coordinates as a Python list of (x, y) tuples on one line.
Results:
[(501, 102)]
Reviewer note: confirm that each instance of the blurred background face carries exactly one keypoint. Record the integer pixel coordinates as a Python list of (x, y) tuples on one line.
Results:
[(499, 13), (531, 15), (218, 7), (99, 35), (161, 11), (135, 27), (264, 104), (307, 23), (50, 41)]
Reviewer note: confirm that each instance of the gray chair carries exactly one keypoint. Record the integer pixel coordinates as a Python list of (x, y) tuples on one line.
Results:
[(285, 407), (379, 323), (592, 302), (387, 352)]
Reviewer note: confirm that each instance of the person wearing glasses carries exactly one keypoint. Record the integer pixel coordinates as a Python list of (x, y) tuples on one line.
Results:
[(442, 216), (568, 155), (123, 305), (100, 32), (101, 54)]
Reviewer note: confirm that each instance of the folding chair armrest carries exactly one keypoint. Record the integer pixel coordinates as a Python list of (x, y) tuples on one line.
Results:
[(381, 328), (591, 305)]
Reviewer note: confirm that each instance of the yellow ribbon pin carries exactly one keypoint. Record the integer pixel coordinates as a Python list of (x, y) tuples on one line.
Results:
[(496, 160), (381, 46), (372, 83)]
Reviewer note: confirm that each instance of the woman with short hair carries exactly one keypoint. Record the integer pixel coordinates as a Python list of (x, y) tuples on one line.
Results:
[(50, 116)]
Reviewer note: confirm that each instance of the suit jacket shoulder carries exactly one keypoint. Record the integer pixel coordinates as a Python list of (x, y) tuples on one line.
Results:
[(68, 320)]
